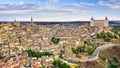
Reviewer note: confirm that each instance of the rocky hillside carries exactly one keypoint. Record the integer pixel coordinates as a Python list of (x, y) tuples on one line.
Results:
[(107, 57)]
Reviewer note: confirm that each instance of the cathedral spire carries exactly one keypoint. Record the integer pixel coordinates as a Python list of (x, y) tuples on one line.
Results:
[(106, 18), (15, 20), (92, 18), (31, 23)]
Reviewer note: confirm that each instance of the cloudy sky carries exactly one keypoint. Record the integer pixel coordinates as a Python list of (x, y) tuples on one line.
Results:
[(59, 10)]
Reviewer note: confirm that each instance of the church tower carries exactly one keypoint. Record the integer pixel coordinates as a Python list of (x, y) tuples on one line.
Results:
[(106, 22), (31, 22), (92, 21), (16, 23)]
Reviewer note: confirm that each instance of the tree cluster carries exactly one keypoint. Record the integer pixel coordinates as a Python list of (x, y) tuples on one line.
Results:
[(1, 56), (60, 64), (55, 40), (82, 49), (37, 54), (116, 30), (112, 63), (106, 36)]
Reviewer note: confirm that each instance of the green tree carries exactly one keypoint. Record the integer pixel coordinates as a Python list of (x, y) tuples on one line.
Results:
[(90, 51), (60, 56), (77, 67), (1, 56), (74, 50), (116, 30), (55, 40), (79, 49), (115, 58), (111, 64), (106, 36), (37, 54), (64, 65), (59, 64)]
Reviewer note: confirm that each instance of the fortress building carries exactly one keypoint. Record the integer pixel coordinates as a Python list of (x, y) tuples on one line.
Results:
[(99, 23)]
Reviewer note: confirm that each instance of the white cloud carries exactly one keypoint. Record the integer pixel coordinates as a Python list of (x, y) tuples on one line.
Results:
[(16, 11), (111, 4), (87, 4), (23, 8), (80, 4), (52, 0), (50, 12)]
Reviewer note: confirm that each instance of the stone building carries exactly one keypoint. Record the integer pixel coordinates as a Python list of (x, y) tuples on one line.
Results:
[(68, 51), (99, 23)]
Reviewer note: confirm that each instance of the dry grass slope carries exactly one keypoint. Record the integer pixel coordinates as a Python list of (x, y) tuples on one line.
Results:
[(107, 53)]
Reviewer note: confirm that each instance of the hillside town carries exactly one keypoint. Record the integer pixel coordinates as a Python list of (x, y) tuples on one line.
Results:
[(54, 45)]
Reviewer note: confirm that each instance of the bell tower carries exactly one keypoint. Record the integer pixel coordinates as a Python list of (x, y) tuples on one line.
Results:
[(31, 22), (92, 21), (106, 22)]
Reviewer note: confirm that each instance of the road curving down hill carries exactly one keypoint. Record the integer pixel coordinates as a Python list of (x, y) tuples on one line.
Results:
[(93, 57)]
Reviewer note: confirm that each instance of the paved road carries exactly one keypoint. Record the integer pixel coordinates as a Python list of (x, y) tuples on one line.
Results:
[(93, 57)]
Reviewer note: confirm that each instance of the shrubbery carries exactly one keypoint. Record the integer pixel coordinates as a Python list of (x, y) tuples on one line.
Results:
[(91, 51), (116, 30), (82, 49), (78, 49), (37, 54), (1, 56), (106, 36), (112, 64), (55, 40), (59, 64)]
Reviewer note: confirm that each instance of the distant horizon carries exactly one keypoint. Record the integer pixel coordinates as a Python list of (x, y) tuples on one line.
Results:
[(62, 20), (54, 21)]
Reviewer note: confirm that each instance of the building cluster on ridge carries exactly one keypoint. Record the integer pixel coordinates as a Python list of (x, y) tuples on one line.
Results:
[(16, 38)]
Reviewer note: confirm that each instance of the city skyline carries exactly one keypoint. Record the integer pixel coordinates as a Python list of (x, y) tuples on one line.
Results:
[(58, 10)]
